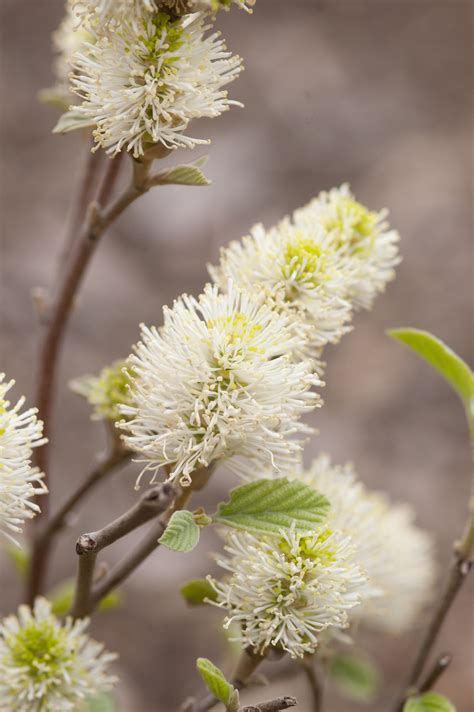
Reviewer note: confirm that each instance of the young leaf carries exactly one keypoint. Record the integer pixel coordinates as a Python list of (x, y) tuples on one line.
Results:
[(187, 174), (197, 592), (215, 681), (62, 596), (442, 359), (271, 505), (182, 532), (356, 677), (429, 702), (21, 559), (70, 121)]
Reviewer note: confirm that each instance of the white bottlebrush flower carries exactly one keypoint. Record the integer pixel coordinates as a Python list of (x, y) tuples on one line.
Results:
[(106, 392), (49, 666), (68, 39), (217, 382), (103, 15), (19, 481), (285, 592), (143, 83), (366, 248), (298, 271), (395, 553)]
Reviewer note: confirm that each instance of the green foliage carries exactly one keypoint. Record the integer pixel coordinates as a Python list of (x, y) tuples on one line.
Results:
[(198, 591), (217, 684), (355, 676), (442, 359), (429, 702), (267, 506), (101, 703), (182, 532), (186, 174), (20, 558), (62, 596), (70, 121)]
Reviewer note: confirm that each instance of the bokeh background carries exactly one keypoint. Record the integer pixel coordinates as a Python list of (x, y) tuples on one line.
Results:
[(373, 92)]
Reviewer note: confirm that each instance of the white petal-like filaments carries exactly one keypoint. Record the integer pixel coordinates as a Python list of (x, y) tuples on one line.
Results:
[(218, 382), (20, 432), (142, 86)]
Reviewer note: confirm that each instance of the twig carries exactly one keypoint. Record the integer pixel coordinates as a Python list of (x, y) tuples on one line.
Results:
[(442, 663), (279, 703), (88, 546), (150, 541), (314, 684), (85, 193), (41, 548), (458, 573)]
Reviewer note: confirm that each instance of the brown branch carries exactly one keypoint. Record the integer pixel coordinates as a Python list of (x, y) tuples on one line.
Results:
[(88, 546), (150, 541), (41, 548), (441, 664), (315, 686), (279, 703), (97, 220)]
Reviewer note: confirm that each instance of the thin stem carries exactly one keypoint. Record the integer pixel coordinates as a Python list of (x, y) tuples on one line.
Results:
[(458, 573), (441, 664), (276, 705), (150, 542), (314, 684), (88, 546), (55, 322), (87, 185), (41, 549)]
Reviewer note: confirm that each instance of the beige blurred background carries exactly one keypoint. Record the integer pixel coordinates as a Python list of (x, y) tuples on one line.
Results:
[(374, 92)]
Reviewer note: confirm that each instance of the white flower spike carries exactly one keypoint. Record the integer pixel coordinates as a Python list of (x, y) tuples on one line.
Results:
[(396, 554), (285, 592), (19, 481), (143, 83), (217, 382), (49, 666)]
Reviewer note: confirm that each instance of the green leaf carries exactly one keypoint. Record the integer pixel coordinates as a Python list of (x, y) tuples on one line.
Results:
[(70, 121), (215, 681), (442, 359), (271, 505), (187, 174), (182, 532), (20, 558), (197, 592), (62, 596), (356, 677), (429, 702), (101, 703)]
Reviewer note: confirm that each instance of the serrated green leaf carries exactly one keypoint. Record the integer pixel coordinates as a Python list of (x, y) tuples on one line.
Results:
[(215, 681), (356, 677), (62, 596), (20, 558), (101, 703), (182, 532), (442, 359), (429, 702), (187, 174), (197, 591), (70, 121), (271, 505)]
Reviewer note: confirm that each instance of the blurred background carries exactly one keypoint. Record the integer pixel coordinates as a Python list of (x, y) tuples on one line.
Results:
[(373, 92)]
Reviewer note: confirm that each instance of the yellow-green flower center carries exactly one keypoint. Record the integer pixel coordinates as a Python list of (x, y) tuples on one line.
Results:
[(306, 260), (43, 649), (352, 224)]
